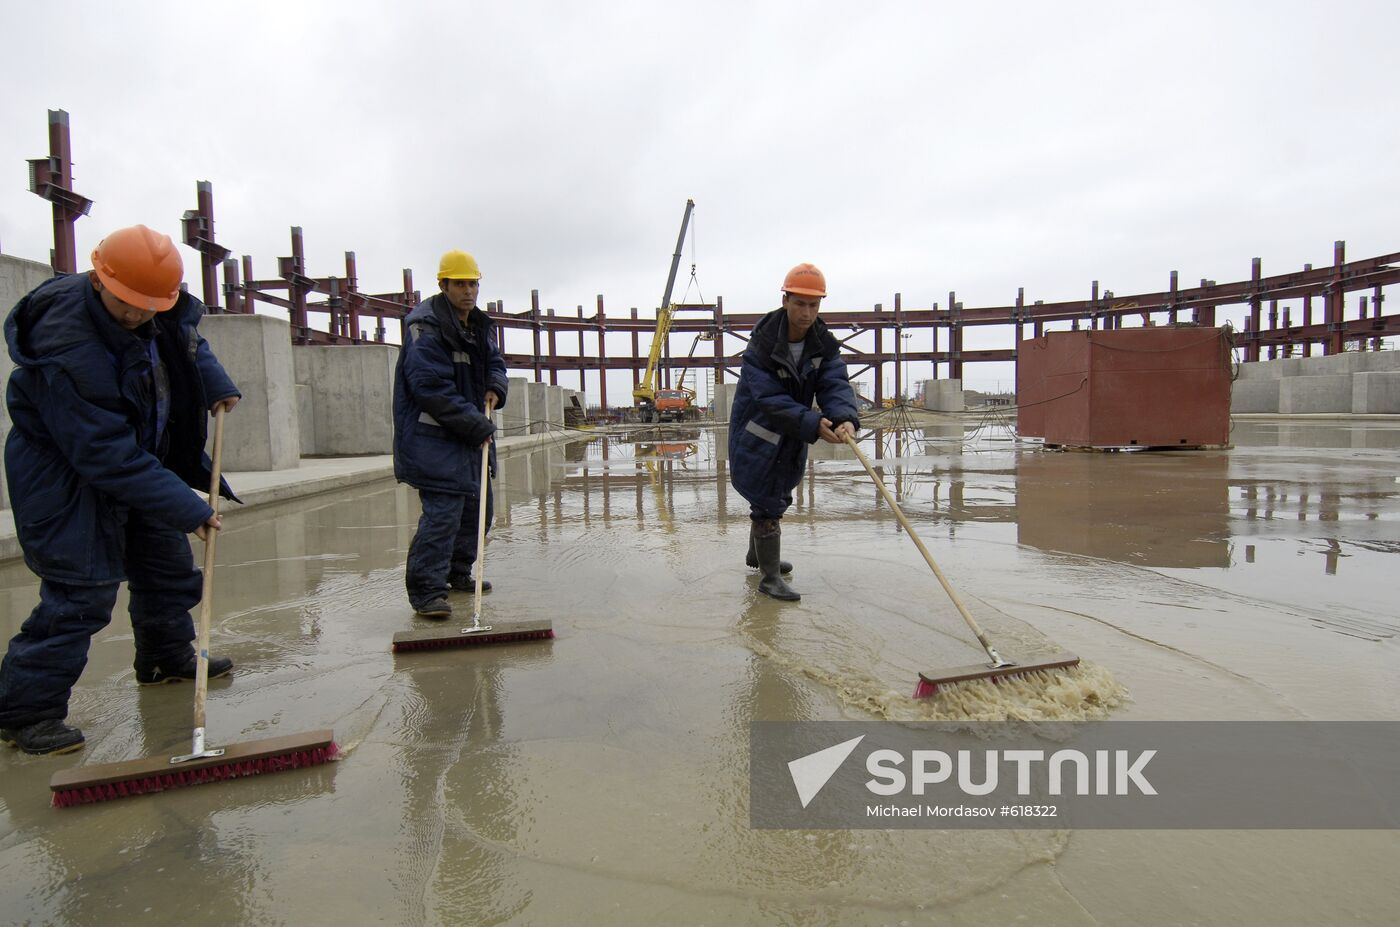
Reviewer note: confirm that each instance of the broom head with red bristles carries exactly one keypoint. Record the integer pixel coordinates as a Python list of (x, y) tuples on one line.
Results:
[(933, 680), (87, 784), (499, 632)]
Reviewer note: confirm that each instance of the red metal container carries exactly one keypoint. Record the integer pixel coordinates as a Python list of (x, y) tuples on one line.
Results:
[(1130, 387)]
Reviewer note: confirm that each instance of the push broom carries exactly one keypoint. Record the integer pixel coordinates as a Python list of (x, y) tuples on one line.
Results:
[(999, 667), (86, 784), (476, 634)]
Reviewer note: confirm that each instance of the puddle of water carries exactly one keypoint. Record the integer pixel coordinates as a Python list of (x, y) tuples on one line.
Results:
[(606, 772)]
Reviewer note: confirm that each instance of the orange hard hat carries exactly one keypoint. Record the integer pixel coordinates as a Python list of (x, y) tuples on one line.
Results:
[(141, 267), (806, 280)]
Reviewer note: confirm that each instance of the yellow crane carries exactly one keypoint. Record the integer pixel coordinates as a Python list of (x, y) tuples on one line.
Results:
[(653, 404)]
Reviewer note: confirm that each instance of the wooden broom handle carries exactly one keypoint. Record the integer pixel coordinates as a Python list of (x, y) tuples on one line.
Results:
[(913, 536), (206, 602)]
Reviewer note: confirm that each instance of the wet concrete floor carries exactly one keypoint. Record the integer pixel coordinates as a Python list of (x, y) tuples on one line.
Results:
[(603, 777)]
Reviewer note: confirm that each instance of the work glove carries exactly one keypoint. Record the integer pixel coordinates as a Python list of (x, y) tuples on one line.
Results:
[(479, 429)]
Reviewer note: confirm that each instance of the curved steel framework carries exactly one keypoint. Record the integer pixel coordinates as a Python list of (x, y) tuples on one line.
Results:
[(1321, 294)]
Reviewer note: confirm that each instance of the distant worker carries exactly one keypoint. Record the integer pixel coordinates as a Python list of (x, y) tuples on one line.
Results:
[(109, 400), (791, 361), (450, 376)]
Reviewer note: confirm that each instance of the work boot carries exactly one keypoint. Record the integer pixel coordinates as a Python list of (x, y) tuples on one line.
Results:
[(51, 736), (465, 583), (767, 544), (438, 609), (751, 560), (154, 674)]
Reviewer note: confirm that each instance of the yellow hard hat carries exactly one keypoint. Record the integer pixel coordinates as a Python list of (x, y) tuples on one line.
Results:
[(458, 265)]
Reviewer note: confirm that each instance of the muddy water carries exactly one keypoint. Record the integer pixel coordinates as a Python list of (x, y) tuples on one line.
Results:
[(602, 777)]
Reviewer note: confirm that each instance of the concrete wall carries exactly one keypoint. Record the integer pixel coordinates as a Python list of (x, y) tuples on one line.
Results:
[(1310, 395), (17, 277), (1376, 392), (943, 395), (1272, 370), (263, 433), (1257, 395), (306, 418), (352, 398), (1352, 382)]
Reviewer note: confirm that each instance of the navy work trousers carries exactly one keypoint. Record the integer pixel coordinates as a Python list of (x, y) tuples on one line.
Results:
[(48, 654), (444, 548)]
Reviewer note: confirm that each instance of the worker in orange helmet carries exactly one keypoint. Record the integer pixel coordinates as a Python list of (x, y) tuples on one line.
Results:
[(792, 362), (109, 400)]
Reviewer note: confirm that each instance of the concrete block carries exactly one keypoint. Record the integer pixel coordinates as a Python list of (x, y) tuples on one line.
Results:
[(1380, 361), (943, 395), (1274, 369), (554, 396), (1306, 395), (1376, 392), (1334, 365), (352, 397), (1348, 362), (515, 417), (539, 407), (306, 419), (1260, 395), (17, 277), (263, 433), (723, 401)]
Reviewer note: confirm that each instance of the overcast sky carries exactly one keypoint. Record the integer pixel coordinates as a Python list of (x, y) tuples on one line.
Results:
[(903, 147)]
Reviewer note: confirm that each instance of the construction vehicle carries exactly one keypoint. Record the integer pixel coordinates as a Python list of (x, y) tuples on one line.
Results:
[(665, 405)]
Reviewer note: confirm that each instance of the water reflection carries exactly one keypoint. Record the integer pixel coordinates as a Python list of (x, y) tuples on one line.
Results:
[(1141, 509), (1173, 510)]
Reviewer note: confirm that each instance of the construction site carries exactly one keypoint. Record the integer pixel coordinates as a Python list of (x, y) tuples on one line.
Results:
[(1204, 512)]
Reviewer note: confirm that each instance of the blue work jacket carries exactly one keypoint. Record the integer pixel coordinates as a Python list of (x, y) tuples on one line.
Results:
[(85, 445), (440, 384), (772, 420)]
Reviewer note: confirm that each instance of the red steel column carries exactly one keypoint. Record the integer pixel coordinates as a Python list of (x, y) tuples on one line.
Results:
[(535, 318), (1336, 301), (549, 337), (602, 361)]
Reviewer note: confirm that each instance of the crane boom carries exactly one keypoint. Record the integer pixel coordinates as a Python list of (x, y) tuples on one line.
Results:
[(645, 394)]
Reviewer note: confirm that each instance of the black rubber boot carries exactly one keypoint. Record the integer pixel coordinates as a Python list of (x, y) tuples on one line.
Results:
[(463, 582), (767, 544), (155, 674), (438, 609), (51, 736), (751, 561)]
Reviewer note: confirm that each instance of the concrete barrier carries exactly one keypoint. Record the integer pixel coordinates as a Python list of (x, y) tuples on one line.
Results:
[(1307, 395), (352, 398), (1376, 392), (264, 432)]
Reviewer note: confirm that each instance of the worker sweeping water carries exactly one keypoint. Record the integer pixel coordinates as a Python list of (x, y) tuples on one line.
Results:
[(450, 376), (791, 362), (109, 400)]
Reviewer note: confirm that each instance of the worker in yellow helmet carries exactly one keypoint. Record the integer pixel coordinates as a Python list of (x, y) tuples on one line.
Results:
[(450, 377), (792, 362)]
